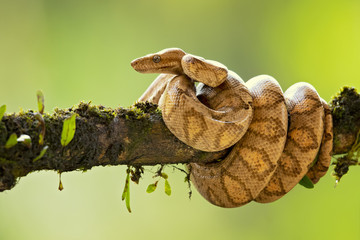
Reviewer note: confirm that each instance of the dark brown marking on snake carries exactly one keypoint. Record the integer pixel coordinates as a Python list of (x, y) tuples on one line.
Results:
[(276, 99), (322, 164), (274, 188), (270, 128), (322, 168), (220, 132), (201, 69), (289, 164), (191, 113), (238, 195), (303, 137), (257, 161), (304, 108)]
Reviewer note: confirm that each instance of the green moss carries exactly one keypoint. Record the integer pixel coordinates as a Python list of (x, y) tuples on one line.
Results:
[(19, 172), (3, 134), (139, 120), (87, 110), (342, 165), (139, 123), (84, 169), (345, 110), (147, 107), (4, 161), (140, 110)]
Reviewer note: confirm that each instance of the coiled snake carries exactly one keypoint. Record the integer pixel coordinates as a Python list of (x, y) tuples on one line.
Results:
[(275, 136)]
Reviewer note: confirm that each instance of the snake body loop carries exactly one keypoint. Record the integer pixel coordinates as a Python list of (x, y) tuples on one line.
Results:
[(275, 137)]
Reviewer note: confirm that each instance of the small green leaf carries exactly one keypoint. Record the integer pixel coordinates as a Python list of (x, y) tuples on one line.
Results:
[(125, 187), (68, 130), (25, 139), (151, 187), (167, 187), (306, 182), (127, 199), (12, 141), (40, 101), (42, 153), (126, 193), (2, 111), (164, 175)]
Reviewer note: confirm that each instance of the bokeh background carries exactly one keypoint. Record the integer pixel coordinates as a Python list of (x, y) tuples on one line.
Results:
[(81, 50)]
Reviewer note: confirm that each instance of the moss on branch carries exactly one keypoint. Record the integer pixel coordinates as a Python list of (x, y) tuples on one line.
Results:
[(345, 110), (136, 136)]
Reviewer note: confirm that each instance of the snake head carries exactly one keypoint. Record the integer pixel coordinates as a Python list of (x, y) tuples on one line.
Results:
[(165, 61)]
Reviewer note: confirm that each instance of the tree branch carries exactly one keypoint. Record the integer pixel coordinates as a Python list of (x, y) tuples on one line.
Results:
[(136, 136)]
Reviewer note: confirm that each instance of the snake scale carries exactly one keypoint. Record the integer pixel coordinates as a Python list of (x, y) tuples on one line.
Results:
[(275, 138)]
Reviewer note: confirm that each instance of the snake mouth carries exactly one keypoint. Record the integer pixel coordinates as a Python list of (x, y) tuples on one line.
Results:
[(137, 66), (146, 65)]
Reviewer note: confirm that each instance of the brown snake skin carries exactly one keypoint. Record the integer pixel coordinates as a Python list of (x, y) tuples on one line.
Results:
[(275, 136)]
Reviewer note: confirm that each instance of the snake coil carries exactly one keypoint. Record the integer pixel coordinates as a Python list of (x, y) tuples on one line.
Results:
[(274, 136)]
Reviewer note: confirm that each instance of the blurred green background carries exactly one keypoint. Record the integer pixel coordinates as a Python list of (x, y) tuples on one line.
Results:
[(81, 50)]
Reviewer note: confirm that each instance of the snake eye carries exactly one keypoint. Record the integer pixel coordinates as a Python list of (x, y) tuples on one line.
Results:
[(156, 59)]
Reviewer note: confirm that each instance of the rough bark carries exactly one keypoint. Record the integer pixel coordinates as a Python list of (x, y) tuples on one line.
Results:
[(136, 136)]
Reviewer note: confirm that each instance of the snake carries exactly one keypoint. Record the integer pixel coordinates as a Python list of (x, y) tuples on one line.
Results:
[(274, 138)]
